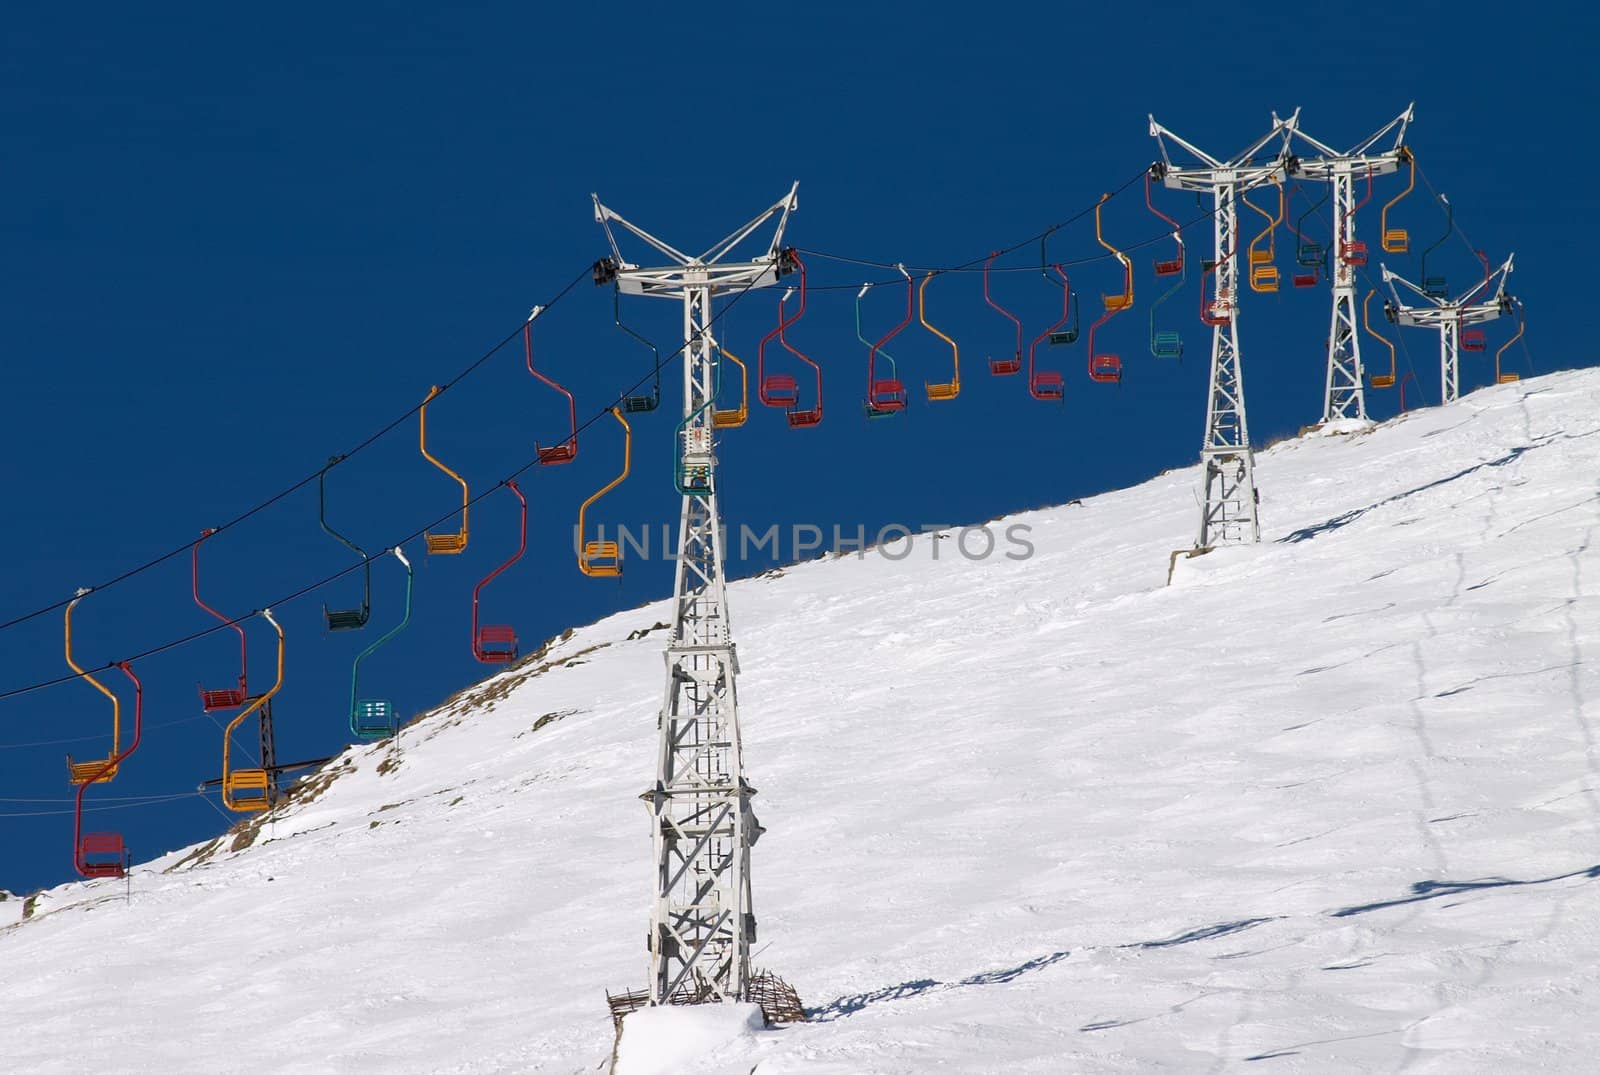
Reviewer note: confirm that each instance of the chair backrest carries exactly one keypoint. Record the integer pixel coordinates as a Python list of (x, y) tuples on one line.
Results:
[(497, 635), (101, 843), (374, 718)]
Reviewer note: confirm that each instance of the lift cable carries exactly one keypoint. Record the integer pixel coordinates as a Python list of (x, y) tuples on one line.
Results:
[(303, 482), (634, 387)]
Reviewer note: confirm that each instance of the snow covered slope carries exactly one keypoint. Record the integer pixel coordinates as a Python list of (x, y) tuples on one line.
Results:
[(1328, 804)]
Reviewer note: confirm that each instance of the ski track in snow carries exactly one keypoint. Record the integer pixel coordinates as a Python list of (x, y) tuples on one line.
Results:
[(1330, 803)]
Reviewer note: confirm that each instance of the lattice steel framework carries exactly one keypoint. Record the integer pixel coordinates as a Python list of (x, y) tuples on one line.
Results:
[(1449, 315), (702, 920), (1228, 515), (1344, 396)]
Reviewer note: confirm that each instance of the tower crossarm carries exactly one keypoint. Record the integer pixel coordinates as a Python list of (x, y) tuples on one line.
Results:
[(1392, 278), (1361, 156), (605, 217), (1442, 311), (1240, 170), (1482, 287), (706, 272)]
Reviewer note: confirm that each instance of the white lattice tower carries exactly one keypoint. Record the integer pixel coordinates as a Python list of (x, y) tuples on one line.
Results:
[(1228, 515), (1486, 301), (1345, 396), (702, 921)]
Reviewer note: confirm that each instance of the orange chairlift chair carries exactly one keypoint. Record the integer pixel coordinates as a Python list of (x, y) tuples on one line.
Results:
[(733, 417), (103, 854), (1263, 273), (1500, 376), (947, 389), (1398, 240), (497, 643), (1378, 380), (223, 698), (249, 791), (100, 770), (1107, 368), (603, 559), (449, 542)]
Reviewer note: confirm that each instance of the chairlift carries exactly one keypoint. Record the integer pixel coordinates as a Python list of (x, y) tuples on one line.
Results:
[(1001, 367), (450, 542), (374, 718)]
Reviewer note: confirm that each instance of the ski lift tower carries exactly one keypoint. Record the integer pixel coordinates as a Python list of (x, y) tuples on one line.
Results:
[(1345, 397), (702, 825), (1449, 315), (1228, 516)]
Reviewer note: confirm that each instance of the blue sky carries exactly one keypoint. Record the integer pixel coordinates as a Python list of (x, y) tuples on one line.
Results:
[(237, 244)]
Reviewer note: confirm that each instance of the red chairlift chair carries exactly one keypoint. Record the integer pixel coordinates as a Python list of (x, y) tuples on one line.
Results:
[(495, 643)]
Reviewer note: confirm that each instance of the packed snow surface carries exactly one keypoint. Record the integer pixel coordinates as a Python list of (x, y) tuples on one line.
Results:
[(1327, 804)]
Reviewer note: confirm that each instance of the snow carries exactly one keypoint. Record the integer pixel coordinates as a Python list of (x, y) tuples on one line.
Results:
[(671, 1041), (1327, 804)]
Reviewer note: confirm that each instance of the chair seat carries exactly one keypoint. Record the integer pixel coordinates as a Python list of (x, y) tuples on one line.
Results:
[(729, 419), (102, 844), (1508, 378), (246, 790), (347, 619), (802, 419), (1064, 336), (1114, 303), (1047, 384), (1264, 278), (1382, 380), (944, 391), (248, 780), (887, 395), (1168, 345), (693, 481), (1105, 368), (1169, 268), (1355, 253), (602, 559), (1396, 241), (557, 453), (228, 698), (780, 390), (640, 404), (99, 771), (1002, 367), (446, 543), (495, 644), (1307, 279), (1260, 257)]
